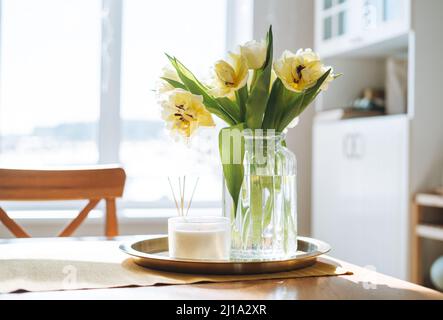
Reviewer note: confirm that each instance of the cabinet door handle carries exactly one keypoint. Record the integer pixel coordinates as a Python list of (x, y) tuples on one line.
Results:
[(353, 146), (353, 152), (345, 147)]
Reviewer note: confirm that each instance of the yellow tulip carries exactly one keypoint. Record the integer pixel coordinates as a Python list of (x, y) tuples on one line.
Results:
[(301, 71), (230, 77), (169, 73), (254, 53), (184, 112)]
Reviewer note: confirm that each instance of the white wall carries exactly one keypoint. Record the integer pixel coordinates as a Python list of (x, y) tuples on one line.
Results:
[(426, 138), (427, 116), (293, 26)]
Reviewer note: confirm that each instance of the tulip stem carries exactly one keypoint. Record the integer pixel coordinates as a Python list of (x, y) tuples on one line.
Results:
[(241, 96)]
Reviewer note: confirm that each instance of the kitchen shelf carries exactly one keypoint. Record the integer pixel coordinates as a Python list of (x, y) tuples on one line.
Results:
[(430, 231), (422, 230), (429, 200)]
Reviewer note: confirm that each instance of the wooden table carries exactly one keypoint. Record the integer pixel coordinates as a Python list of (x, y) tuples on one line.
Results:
[(340, 287)]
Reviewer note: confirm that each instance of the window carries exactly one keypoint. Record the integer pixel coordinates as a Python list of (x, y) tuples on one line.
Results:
[(147, 152), (56, 56), (391, 10), (50, 80), (327, 28), (327, 4), (342, 23)]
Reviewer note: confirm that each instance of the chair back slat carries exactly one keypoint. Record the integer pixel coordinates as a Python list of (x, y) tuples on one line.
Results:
[(64, 184), (93, 184)]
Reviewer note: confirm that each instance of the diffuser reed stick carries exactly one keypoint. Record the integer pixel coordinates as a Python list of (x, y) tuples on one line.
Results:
[(181, 199)]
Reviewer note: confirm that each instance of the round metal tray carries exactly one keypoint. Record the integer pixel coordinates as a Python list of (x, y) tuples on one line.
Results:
[(153, 253)]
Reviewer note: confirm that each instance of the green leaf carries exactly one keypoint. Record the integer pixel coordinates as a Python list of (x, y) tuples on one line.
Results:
[(293, 107), (231, 106), (309, 96), (274, 106), (196, 87), (280, 101), (181, 69), (232, 159), (312, 93), (258, 97), (175, 84)]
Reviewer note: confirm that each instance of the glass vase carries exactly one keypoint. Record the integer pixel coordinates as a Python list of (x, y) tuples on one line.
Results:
[(264, 223)]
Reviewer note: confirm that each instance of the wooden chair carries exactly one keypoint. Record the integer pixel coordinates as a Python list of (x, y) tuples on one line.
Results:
[(93, 183)]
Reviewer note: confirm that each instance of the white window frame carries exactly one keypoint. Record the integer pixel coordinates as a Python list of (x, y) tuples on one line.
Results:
[(239, 13), (109, 128)]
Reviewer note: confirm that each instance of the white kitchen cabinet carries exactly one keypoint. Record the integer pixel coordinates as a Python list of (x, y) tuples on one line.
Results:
[(365, 171), (360, 194), (346, 25)]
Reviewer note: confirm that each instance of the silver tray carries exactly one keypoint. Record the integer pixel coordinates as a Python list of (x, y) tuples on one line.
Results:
[(153, 253)]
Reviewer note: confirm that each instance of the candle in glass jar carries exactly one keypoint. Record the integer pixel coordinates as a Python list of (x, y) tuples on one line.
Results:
[(199, 238)]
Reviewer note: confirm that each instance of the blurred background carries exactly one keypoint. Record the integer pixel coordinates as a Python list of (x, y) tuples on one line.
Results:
[(77, 81)]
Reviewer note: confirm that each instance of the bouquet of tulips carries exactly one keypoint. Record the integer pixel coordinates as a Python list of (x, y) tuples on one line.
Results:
[(249, 91)]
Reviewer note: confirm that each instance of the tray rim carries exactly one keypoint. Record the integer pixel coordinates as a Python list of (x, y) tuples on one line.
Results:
[(322, 248)]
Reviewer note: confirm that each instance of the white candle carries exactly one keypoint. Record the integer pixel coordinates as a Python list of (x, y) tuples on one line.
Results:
[(199, 238)]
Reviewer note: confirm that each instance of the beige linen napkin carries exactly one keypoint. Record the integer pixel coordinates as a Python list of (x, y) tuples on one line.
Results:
[(68, 265)]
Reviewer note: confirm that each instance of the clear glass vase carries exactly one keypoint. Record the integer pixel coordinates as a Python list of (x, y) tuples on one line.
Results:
[(264, 224)]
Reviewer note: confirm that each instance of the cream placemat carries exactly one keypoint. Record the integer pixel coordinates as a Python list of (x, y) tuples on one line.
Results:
[(68, 265)]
